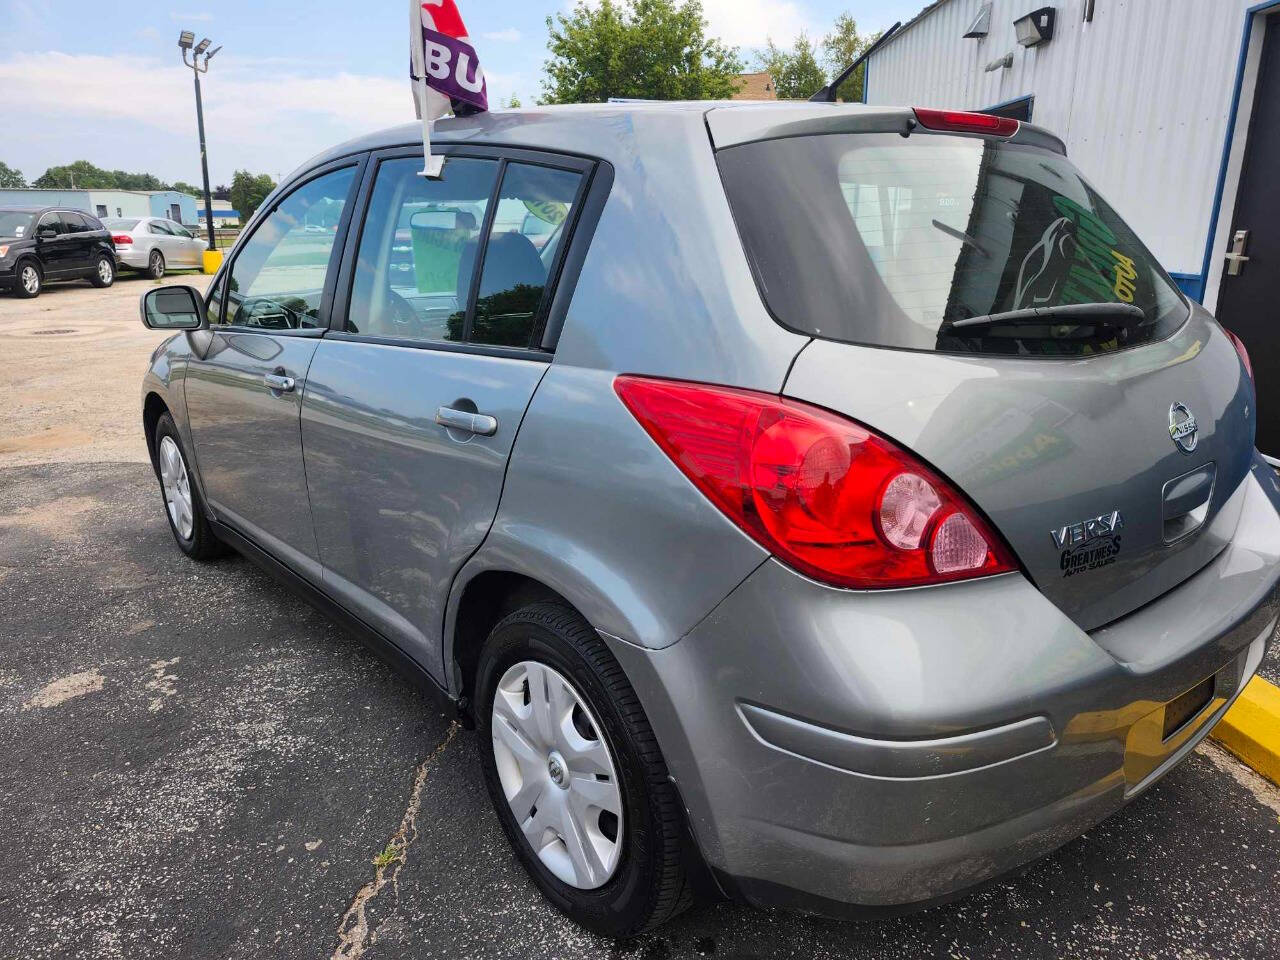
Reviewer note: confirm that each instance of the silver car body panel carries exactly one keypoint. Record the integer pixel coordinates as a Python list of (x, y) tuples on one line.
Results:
[(179, 252), (399, 502), (832, 746)]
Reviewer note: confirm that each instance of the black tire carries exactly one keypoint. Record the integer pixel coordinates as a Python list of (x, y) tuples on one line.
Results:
[(650, 884), (19, 290), (97, 277), (202, 544), (155, 265)]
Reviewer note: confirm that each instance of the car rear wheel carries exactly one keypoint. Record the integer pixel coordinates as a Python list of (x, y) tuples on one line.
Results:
[(183, 506), (155, 265), (104, 272), (575, 774), (29, 280)]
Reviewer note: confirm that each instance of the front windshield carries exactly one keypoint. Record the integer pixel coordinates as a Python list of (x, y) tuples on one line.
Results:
[(15, 223)]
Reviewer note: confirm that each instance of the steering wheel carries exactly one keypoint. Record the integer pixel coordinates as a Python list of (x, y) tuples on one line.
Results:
[(405, 321)]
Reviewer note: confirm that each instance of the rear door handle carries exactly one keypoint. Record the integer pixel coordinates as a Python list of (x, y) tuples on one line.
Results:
[(477, 423), (279, 382)]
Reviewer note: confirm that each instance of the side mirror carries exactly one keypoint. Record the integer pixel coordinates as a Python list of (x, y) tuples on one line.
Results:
[(47, 233), (174, 308)]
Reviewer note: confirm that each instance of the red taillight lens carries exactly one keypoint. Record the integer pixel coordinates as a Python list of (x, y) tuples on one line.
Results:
[(122, 239), (960, 122), (824, 494), (1244, 354)]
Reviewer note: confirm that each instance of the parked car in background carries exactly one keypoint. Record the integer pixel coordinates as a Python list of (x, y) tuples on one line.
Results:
[(152, 245), (773, 534), (40, 245)]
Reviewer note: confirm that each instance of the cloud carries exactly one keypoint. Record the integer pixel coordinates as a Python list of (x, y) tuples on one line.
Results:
[(509, 35), (201, 16), (264, 120)]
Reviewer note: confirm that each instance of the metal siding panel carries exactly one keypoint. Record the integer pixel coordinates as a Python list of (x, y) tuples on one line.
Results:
[(1140, 96)]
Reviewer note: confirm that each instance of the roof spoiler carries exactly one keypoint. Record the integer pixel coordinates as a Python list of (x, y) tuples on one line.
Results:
[(828, 93)]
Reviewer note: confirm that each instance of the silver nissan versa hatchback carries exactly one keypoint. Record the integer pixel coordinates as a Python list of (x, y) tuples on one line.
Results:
[(822, 506)]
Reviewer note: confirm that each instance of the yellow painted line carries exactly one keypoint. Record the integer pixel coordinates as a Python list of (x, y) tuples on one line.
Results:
[(1251, 728)]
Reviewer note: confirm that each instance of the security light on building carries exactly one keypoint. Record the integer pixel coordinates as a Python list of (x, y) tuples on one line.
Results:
[(1036, 27)]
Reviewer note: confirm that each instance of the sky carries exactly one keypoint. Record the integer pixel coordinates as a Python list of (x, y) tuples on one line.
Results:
[(104, 82)]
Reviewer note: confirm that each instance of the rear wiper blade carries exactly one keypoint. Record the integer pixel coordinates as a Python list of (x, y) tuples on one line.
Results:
[(1113, 314)]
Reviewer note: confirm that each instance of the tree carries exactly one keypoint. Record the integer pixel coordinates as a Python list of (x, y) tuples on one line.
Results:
[(796, 74), (649, 49), (183, 187), (514, 103), (11, 179), (80, 175), (841, 47), (248, 192)]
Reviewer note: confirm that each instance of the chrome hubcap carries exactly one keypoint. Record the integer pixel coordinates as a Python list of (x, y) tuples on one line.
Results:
[(30, 279), (104, 271), (557, 774), (177, 488)]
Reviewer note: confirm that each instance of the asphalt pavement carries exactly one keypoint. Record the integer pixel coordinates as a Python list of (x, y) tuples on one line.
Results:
[(197, 764)]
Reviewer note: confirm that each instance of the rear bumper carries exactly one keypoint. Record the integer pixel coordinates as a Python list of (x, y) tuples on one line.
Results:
[(840, 750), (132, 257)]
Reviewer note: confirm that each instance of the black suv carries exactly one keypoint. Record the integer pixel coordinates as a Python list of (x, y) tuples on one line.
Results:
[(39, 245)]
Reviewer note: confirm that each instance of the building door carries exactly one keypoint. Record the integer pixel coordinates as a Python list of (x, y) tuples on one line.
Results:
[(175, 212), (1246, 304)]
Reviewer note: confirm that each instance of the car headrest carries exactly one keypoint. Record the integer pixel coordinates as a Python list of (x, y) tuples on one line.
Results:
[(510, 260)]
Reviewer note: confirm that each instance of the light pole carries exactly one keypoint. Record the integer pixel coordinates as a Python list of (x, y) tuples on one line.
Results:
[(185, 41)]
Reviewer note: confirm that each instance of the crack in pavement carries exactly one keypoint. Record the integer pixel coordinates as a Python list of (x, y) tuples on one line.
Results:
[(354, 936)]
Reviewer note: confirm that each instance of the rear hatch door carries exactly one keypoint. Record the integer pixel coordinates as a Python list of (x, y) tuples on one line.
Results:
[(1105, 450)]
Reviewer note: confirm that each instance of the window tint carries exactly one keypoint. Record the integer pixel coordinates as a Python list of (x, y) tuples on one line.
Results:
[(874, 239), (158, 227), (93, 223), (278, 276), (534, 210), (51, 221), (73, 223), (417, 249)]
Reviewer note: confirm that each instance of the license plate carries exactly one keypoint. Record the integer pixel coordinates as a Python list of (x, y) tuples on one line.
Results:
[(1181, 710)]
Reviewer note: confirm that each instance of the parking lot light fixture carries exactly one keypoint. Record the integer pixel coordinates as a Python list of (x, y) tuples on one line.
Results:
[(198, 61)]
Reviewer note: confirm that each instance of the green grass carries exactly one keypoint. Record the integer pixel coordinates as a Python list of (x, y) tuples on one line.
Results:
[(387, 856)]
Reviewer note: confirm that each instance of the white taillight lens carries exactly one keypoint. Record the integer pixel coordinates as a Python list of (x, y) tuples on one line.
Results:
[(906, 507), (957, 546)]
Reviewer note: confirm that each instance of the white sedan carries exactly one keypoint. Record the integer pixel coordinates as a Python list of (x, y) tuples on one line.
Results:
[(152, 245)]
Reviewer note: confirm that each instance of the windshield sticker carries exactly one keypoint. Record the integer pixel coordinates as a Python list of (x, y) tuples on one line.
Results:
[(1099, 272), (19, 231)]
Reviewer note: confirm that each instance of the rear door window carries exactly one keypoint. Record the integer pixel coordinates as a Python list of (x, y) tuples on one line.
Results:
[(885, 241), (535, 208)]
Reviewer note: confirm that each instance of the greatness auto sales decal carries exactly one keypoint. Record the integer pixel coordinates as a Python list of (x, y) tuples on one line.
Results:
[(1096, 260)]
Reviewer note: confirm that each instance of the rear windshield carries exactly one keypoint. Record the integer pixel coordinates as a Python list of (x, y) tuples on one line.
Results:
[(120, 223), (880, 240)]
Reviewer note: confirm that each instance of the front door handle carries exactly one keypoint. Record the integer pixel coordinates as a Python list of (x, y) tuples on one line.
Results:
[(477, 423), (279, 382)]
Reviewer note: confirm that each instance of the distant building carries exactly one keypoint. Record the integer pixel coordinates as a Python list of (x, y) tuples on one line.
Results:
[(223, 213), (110, 203), (756, 86)]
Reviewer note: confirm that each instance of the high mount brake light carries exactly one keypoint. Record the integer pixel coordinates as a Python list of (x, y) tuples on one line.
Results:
[(1244, 354), (824, 494), (958, 121)]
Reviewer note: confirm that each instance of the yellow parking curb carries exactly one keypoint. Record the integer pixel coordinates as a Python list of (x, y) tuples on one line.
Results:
[(1251, 728)]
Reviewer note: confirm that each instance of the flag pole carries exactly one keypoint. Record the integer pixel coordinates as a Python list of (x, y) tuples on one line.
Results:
[(432, 166)]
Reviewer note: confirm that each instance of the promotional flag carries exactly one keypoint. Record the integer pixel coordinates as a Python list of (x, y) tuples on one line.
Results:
[(444, 69)]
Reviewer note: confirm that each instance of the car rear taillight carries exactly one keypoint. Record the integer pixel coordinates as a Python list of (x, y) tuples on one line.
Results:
[(826, 495), (957, 121), (122, 239), (1244, 354)]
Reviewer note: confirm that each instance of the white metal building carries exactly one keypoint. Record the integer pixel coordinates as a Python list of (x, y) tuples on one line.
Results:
[(1153, 97)]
